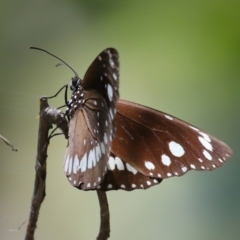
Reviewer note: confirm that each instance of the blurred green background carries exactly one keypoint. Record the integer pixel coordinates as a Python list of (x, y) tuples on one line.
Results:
[(181, 57)]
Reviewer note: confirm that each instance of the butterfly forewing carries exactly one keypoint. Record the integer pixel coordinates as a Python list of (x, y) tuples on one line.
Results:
[(160, 146), (91, 128), (103, 76)]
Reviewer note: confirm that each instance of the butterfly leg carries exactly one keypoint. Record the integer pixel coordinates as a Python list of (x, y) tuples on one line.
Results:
[(65, 94)]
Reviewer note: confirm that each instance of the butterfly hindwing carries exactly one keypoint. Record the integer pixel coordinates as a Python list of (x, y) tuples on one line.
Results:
[(121, 175), (88, 149)]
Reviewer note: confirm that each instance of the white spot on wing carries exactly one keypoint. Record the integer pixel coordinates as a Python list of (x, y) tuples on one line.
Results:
[(98, 152), (70, 166), (206, 137), (207, 155), (91, 159), (111, 114), (111, 62), (112, 162), (75, 164), (115, 76), (168, 117), (149, 165), (184, 169), (176, 149), (66, 164), (220, 160), (110, 92), (205, 143), (102, 147), (94, 157), (166, 160), (192, 166), (194, 128), (119, 163), (105, 138), (83, 163), (131, 169)]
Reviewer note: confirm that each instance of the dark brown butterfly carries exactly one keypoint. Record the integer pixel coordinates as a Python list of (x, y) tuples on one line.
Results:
[(115, 144), (147, 145)]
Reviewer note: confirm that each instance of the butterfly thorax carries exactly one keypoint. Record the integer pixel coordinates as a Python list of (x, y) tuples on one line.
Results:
[(77, 99)]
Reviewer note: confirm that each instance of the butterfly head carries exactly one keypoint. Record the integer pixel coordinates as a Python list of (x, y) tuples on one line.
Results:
[(75, 82)]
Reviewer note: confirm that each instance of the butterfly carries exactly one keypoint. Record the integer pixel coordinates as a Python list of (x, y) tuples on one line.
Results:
[(116, 144)]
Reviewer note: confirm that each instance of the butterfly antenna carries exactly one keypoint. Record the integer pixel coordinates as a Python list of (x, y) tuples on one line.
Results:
[(40, 49)]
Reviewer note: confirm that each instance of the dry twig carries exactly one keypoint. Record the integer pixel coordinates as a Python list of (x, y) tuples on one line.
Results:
[(8, 143)]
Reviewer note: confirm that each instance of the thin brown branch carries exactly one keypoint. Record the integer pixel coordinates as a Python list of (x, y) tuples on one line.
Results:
[(48, 116), (104, 232)]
